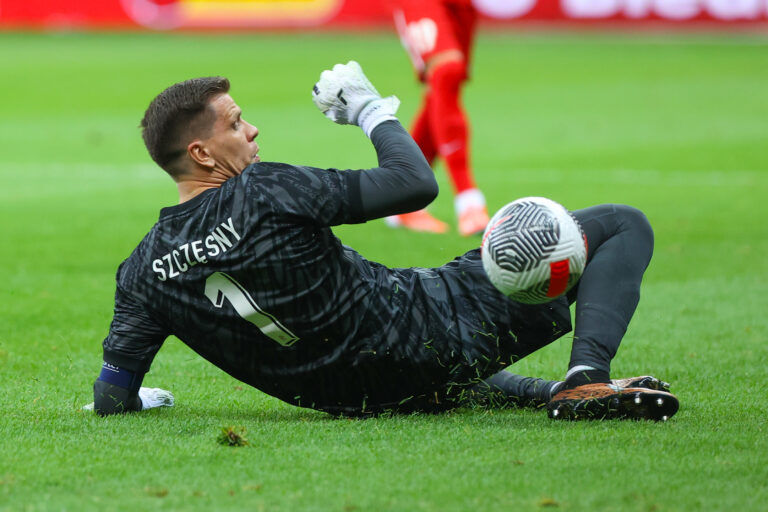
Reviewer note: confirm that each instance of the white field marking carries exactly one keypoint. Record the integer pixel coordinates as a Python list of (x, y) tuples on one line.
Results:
[(688, 179), (49, 180)]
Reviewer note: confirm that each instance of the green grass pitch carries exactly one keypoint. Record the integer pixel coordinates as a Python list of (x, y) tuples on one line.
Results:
[(677, 126)]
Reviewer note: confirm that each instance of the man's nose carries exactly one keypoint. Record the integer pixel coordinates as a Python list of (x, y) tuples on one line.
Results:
[(253, 131)]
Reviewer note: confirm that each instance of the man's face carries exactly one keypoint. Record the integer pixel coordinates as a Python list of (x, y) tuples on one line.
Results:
[(231, 142)]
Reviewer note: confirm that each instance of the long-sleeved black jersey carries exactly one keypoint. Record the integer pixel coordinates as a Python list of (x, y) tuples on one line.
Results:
[(251, 277)]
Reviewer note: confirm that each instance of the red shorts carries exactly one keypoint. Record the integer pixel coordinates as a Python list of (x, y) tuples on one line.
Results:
[(430, 27)]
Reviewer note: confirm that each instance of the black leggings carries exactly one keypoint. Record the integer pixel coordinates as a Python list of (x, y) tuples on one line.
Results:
[(620, 245)]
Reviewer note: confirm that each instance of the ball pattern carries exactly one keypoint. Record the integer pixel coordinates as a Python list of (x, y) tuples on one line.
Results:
[(533, 250)]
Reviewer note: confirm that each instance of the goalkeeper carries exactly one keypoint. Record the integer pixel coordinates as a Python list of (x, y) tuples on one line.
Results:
[(246, 271)]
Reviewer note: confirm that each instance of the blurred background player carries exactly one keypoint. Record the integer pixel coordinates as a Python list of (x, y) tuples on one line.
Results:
[(438, 36)]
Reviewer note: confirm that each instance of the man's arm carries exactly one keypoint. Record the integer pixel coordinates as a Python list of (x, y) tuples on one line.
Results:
[(133, 340), (404, 181)]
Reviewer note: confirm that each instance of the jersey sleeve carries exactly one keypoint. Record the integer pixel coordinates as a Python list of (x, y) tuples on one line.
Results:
[(134, 337), (403, 182)]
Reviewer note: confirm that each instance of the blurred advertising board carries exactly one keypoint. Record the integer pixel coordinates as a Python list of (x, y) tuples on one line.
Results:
[(219, 14)]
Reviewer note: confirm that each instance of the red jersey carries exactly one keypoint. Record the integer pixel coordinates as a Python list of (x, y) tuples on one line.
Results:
[(430, 27)]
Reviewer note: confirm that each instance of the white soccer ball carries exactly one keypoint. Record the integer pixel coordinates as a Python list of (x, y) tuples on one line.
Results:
[(533, 250)]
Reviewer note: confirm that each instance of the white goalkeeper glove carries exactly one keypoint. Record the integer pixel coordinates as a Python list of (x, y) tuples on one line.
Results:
[(150, 398), (155, 397), (346, 96)]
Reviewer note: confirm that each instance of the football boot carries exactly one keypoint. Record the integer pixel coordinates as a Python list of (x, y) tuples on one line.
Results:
[(646, 381), (420, 220), (610, 401), (472, 221)]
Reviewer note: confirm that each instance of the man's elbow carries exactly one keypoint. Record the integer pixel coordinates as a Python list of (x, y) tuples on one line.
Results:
[(427, 187)]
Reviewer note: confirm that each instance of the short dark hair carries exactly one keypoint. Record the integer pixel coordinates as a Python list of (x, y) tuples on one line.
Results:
[(177, 115)]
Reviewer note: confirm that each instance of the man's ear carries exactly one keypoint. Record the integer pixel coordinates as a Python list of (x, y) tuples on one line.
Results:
[(199, 154)]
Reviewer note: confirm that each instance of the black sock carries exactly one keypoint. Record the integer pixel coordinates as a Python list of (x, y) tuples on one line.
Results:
[(506, 388), (586, 377)]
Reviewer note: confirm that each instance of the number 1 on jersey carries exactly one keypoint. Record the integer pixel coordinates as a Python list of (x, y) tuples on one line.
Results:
[(220, 285)]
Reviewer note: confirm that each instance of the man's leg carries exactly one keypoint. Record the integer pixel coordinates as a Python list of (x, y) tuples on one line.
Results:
[(421, 220), (620, 245), (421, 131), (448, 121), (438, 37), (451, 135), (509, 389), (518, 390), (505, 389), (441, 129)]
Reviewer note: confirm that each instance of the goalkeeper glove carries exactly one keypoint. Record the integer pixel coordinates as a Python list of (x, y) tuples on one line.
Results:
[(150, 398), (346, 96), (155, 397)]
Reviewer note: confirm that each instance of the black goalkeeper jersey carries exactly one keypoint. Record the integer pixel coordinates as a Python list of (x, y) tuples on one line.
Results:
[(251, 277)]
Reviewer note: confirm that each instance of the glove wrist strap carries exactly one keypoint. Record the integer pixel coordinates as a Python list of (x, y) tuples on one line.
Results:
[(376, 112)]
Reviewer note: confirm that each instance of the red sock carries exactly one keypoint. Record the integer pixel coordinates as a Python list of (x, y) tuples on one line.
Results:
[(450, 131)]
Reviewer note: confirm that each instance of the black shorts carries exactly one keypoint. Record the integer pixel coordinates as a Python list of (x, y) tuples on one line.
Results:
[(474, 332), (497, 329)]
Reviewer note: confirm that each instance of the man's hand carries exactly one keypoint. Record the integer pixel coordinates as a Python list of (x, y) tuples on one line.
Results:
[(155, 397), (346, 96), (150, 398)]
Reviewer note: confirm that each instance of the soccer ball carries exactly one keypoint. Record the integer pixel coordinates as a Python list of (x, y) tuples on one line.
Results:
[(533, 250)]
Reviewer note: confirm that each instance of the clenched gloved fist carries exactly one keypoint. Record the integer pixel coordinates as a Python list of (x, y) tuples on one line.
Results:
[(346, 96)]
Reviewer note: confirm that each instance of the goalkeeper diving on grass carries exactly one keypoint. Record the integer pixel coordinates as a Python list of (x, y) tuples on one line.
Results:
[(246, 271)]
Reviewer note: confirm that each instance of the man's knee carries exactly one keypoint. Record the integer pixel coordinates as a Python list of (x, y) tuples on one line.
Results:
[(634, 220), (604, 222), (447, 76)]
